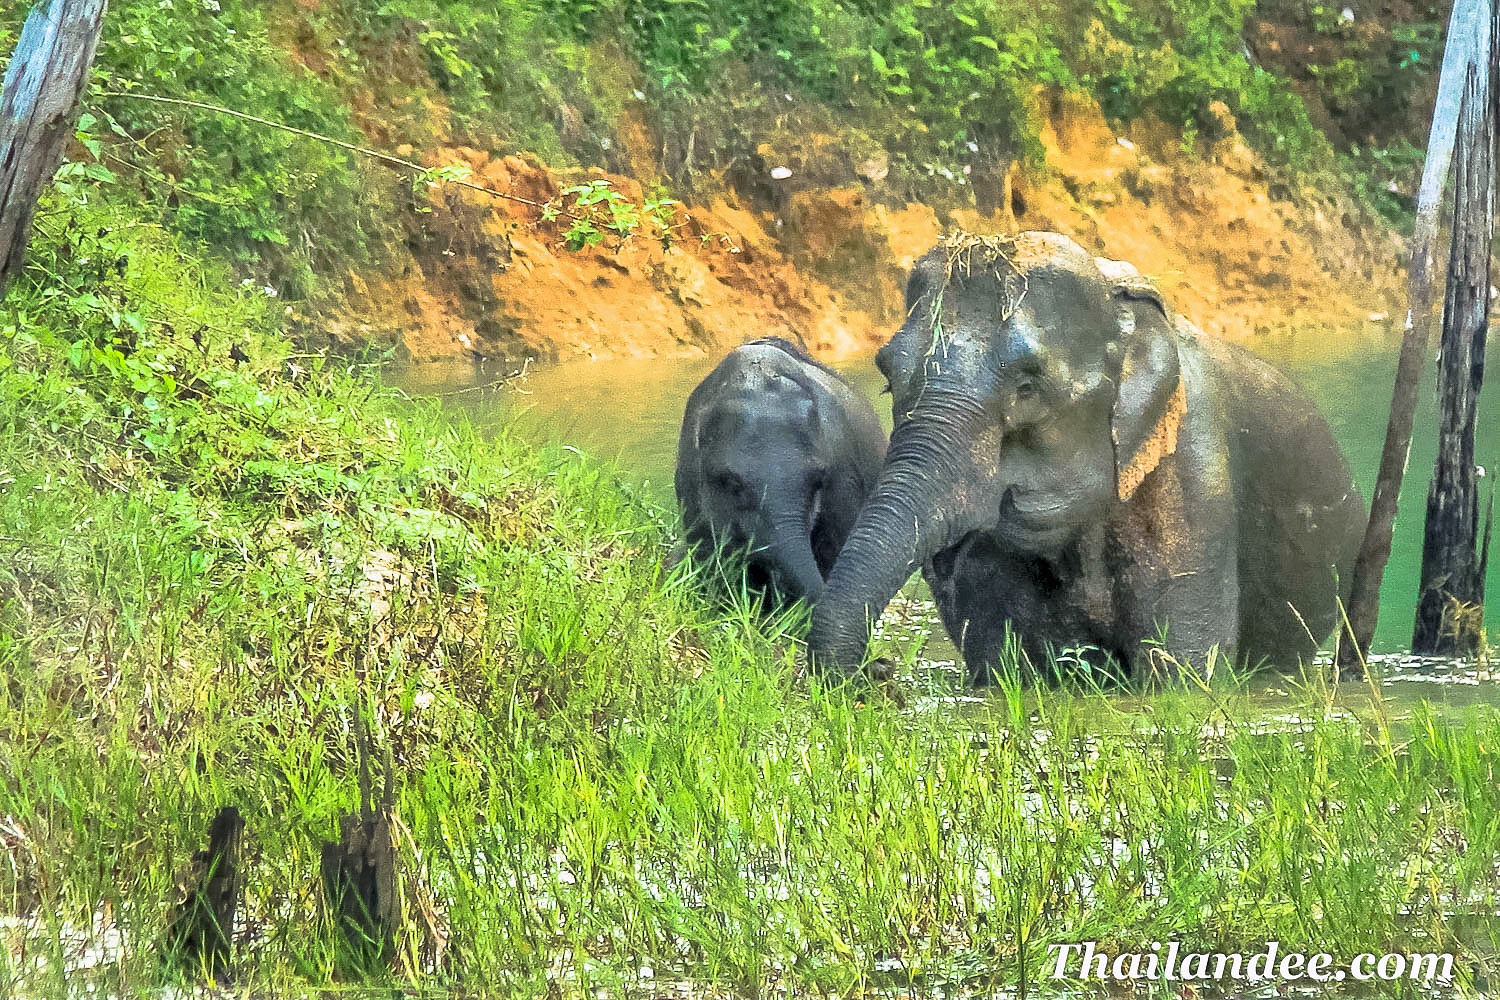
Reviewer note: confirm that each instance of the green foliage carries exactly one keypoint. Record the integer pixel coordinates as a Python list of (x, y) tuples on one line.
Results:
[(1385, 179), (965, 71), (948, 82), (1177, 58), (1277, 119), (597, 210), (434, 178), (961, 70), (280, 205), (1374, 74), (689, 44), (507, 71), (1368, 77), (143, 333), (213, 548)]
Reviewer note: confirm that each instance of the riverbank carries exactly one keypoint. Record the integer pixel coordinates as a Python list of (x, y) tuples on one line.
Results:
[(809, 249), (1255, 159), (220, 553)]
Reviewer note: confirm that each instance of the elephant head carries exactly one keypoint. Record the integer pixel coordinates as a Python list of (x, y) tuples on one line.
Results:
[(1032, 393), (776, 454), (758, 492)]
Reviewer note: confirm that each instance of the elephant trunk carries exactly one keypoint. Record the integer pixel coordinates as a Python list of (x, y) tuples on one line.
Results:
[(790, 552), (915, 511)]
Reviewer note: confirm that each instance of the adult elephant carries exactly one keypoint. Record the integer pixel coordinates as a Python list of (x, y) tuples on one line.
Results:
[(776, 455), (1073, 461)]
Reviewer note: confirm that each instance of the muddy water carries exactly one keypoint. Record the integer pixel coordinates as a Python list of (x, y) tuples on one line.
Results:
[(629, 412)]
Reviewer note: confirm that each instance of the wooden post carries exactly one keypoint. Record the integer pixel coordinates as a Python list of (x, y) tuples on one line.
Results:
[(361, 877), (1470, 27), (1450, 600), (38, 111)]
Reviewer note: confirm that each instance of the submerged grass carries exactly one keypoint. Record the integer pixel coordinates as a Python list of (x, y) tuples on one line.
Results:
[(214, 550)]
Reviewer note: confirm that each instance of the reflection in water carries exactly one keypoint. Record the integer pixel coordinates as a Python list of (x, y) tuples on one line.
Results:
[(629, 412)]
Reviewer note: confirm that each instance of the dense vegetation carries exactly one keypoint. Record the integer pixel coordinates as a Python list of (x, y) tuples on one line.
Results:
[(214, 551)]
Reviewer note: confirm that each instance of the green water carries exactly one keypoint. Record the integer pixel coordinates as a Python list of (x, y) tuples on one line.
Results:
[(629, 412)]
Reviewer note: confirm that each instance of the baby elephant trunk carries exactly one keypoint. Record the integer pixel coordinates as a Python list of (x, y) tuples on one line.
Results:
[(789, 553)]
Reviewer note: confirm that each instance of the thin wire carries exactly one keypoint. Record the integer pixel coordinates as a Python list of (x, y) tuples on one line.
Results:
[(363, 150)]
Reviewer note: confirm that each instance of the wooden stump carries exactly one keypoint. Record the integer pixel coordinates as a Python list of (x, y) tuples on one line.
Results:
[(1450, 602), (201, 932), (38, 109), (361, 881), (1470, 22)]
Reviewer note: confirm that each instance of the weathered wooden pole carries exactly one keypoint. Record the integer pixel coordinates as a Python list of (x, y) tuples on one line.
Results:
[(1450, 599), (38, 112), (361, 870), (1470, 28)]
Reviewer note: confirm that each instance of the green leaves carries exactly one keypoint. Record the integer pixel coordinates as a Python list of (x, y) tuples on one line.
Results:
[(597, 209), (74, 170), (435, 177), (965, 69), (262, 196)]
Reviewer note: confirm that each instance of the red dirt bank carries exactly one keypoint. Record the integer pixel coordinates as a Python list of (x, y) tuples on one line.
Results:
[(827, 265)]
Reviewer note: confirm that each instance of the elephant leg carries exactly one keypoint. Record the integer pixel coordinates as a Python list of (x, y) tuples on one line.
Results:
[(1288, 583), (1193, 612), (1176, 577)]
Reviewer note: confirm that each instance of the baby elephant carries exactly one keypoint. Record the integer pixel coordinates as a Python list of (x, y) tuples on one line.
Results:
[(776, 456)]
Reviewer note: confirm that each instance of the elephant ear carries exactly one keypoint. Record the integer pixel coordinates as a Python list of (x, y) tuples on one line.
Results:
[(1150, 403)]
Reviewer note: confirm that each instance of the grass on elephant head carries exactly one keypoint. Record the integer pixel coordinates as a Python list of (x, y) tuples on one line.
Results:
[(963, 254), (212, 549)]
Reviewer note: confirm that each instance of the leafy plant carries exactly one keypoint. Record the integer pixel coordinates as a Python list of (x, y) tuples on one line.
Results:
[(597, 210), (435, 177), (285, 205)]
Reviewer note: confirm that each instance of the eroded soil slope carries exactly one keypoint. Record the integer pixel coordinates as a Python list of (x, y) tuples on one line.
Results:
[(817, 251)]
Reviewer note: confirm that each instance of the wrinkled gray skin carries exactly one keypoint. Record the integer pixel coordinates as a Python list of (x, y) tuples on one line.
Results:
[(1019, 436), (776, 455)]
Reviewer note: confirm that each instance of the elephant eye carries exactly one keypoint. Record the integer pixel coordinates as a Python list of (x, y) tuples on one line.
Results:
[(1026, 390)]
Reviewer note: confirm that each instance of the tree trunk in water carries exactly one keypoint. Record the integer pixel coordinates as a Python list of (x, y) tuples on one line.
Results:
[(1471, 26), (38, 109), (1450, 602)]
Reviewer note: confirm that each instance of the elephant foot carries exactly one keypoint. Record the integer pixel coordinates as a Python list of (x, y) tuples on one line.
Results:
[(1355, 671), (882, 674), (879, 674)]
